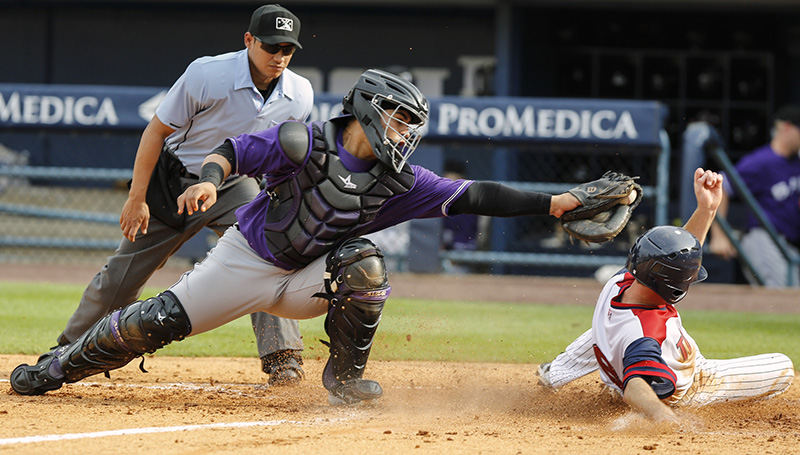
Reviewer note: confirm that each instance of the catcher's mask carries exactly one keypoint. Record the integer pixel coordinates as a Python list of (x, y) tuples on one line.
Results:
[(668, 260), (374, 100)]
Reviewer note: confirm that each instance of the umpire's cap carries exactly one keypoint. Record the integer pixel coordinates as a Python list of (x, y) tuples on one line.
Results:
[(273, 24)]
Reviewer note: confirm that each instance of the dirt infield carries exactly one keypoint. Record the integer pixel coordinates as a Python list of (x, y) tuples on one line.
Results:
[(219, 405), (427, 407)]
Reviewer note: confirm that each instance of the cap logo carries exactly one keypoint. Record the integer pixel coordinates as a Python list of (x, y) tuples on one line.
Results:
[(284, 23)]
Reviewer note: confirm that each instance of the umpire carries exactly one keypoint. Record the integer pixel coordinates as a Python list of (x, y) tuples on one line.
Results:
[(215, 98)]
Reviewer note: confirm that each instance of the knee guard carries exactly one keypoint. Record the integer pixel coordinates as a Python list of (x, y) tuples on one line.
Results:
[(139, 328), (357, 286)]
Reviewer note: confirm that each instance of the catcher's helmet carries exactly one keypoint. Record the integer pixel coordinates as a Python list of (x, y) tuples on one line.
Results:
[(667, 259), (378, 96)]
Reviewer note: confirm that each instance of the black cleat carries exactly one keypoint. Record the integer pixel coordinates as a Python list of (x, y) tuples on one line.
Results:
[(34, 380), (290, 373), (354, 391), (283, 367)]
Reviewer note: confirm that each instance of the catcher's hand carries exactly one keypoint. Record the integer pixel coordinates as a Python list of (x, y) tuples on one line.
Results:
[(606, 207)]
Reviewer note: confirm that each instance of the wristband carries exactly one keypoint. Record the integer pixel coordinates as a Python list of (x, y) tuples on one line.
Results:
[(212, 173)]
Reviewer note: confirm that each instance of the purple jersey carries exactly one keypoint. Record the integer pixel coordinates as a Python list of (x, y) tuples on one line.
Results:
[(261, 154), (775, 183)]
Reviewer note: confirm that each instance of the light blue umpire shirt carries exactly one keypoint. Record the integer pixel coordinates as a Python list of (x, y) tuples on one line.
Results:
[(215, 98)]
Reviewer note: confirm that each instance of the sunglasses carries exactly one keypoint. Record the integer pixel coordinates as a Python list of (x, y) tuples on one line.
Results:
[(287, 50)]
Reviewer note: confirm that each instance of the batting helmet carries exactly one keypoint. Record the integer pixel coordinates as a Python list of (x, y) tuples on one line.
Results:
[(667, 259), (378, 96)]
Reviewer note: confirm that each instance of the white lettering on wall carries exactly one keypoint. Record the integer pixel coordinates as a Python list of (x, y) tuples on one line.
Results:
[(545, 123), (51, 110)]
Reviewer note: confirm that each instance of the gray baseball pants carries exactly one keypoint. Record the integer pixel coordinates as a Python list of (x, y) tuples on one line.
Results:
[(121, 280), (233, 280)]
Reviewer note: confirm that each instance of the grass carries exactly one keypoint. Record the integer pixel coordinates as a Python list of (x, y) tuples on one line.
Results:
[(411, 329)]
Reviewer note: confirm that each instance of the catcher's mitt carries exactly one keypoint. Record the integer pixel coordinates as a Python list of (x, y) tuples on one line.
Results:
[(606, 207)]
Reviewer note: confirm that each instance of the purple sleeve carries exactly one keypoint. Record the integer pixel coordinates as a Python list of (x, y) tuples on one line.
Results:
[(261, 153), (430, 197), (751, 169)]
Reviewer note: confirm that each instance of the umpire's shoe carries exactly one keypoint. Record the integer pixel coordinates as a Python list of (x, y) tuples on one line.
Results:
[(283, 367), (354, 391), (37, 379)]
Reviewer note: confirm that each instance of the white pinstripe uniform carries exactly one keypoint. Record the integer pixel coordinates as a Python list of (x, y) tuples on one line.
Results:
[(679, 373)]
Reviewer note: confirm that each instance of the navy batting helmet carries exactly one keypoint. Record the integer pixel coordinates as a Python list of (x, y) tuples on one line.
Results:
[(667, 259), (376, 97)]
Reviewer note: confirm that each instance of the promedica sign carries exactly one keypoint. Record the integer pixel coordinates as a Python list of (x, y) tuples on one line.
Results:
[(498, 119)]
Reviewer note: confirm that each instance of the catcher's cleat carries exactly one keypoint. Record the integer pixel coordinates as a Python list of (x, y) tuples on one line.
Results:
[(283, 367), (544, 375), (354, 391), (34, 379)]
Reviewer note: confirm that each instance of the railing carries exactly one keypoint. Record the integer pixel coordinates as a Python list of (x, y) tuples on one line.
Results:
[(793, 260), (61, 174), (95, 174)]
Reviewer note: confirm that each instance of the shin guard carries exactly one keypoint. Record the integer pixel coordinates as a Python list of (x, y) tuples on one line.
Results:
[(139, 328), (358, 287)]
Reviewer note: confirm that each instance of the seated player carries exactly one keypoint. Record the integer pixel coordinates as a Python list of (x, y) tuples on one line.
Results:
[(637, 339)]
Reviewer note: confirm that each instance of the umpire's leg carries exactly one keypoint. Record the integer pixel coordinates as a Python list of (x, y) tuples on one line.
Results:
[(275, 334), (121, 280)]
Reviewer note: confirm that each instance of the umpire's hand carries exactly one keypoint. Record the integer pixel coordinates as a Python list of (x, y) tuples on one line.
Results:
[(204, 192), (135, 214)]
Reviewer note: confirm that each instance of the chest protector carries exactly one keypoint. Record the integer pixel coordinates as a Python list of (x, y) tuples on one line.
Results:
[(324, 204)]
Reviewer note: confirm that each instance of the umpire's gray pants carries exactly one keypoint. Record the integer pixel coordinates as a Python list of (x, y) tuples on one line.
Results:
[(121, 280)]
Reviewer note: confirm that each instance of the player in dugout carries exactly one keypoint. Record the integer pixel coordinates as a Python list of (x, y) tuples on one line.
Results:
[(637, 339), (296, 250)]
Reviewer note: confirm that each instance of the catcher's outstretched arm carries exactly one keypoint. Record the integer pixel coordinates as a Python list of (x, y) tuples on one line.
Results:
[(495, 199)]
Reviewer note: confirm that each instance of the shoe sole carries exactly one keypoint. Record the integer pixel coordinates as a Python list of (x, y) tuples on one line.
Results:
[(333, 400)]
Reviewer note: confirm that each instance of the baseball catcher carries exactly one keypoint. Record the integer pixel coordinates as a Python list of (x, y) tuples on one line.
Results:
[(606, 207)]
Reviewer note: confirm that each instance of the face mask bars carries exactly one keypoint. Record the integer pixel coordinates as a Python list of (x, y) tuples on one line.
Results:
[(399, 152)]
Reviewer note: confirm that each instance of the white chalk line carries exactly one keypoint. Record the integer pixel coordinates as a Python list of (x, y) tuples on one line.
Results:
[(150, 430), (221, 387)]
